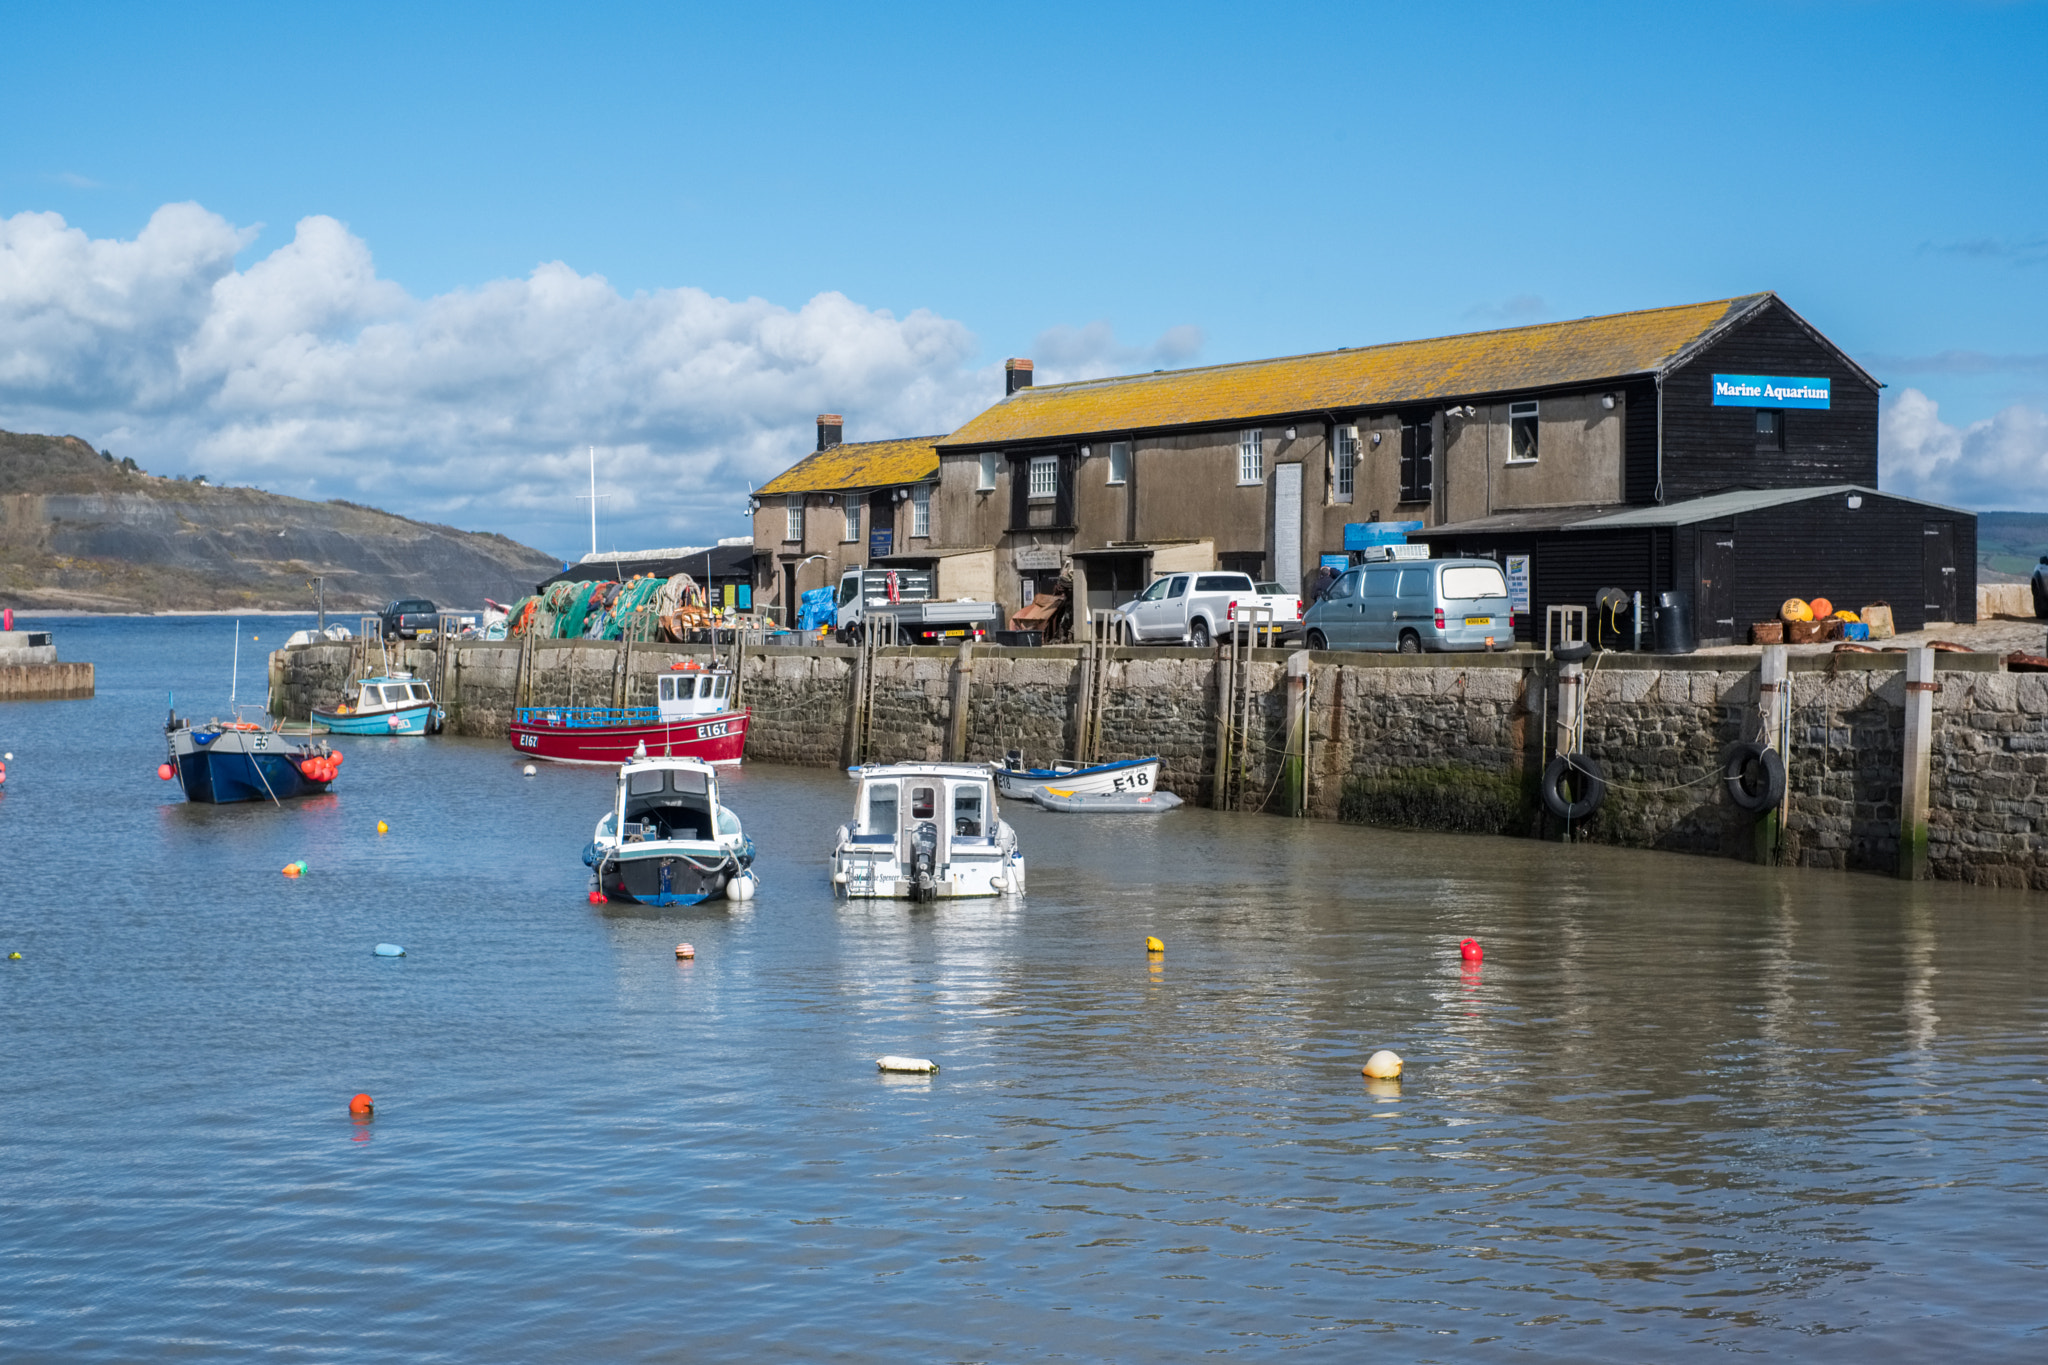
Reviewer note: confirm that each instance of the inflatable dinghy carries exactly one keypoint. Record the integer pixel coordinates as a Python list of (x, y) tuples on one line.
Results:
[(1105, 803)]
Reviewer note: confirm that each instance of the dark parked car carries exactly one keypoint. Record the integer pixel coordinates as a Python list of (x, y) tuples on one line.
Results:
[(407, 617)]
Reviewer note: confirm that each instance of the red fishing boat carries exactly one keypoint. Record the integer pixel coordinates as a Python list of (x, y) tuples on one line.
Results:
[(692, 717)]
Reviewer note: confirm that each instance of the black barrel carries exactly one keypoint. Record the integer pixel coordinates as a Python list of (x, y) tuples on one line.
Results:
[(1674, 623)]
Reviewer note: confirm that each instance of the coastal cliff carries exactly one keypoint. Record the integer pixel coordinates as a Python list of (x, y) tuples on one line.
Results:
[(80, 531)]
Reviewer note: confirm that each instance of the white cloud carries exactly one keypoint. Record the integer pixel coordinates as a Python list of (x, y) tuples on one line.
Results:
[(1999, 463), (308, 374)]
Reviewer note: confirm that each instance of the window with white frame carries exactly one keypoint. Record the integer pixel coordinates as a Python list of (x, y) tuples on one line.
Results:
[(853, 518), (1251, 456), (989, 459), (1119, 462), (1521, 433), (1344, 464), (1045, 478), (793, 517), (921, 510)]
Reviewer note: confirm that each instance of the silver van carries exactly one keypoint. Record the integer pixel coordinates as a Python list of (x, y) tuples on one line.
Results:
[(1414, 605)]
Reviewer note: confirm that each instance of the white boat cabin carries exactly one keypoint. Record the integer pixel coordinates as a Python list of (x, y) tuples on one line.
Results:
[(686, 694), (925, 831)]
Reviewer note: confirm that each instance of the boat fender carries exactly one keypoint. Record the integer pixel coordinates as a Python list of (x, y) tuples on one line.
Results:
[(362, 1106), (590, 855), (742, 887), (1573, 653), (1756, 777), (915, 1065), (1590, 779), (528, 771), (390, 950), (684, 952), (1382, 1065), (163, 770)]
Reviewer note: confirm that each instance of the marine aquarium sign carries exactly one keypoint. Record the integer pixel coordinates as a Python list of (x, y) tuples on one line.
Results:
[(1768, 391)]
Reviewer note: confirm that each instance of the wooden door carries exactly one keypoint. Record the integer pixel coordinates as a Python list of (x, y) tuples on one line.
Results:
[(1716, 613), (1938, 570)]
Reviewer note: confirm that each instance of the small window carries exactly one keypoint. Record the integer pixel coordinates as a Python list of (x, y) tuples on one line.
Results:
[(882, 808), (1251, 456), (718, 685), (967, 812), (1380, 582), (644, 783), (848, 587), (420, 693), (394, 694), (688, 782), (668, 689), (793, 517), (921, 510), (686, 688), (1343, 464), (1045, 478), (853, 518), (1521, 433), (1414, 582), (924, 803), (1348, 585), (1770, 429), (1178, 588), (1223, 582), (1119, 462), (987, 483), (1156, 591)]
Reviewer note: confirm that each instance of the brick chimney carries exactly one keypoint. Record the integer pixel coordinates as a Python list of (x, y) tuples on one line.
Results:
[(1016, 375), (830, 425)]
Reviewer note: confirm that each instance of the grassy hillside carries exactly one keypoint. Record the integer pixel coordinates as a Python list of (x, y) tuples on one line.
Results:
[(2010, 544), (80, 531)]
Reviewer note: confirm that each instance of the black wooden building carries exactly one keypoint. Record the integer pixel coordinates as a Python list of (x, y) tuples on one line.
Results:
[(1749, 475), (1739, 555)]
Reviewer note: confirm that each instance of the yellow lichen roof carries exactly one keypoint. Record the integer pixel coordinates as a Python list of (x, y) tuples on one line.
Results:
[(1550, 353), (860, 464)]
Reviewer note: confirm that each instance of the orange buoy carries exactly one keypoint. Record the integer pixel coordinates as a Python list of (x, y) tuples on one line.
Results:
[(684, 952), (291, 869), (1471, 951), (1821, 608), (362, 1106), (165, 771)]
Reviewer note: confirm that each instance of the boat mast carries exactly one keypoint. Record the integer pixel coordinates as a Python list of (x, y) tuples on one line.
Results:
[(235, 683)]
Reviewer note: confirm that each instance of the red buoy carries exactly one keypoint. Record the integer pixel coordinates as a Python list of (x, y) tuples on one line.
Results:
[(1471, 951), (598, 898), (361, 1106), (166, 771)]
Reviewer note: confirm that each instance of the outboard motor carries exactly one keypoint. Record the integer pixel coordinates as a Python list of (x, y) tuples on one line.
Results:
[(1013, 759), (924, 861)]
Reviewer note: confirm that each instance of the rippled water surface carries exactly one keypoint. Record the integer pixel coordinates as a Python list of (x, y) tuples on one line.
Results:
[(1685, 1109)]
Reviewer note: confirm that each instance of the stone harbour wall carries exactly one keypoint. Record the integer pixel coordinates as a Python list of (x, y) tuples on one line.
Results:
[(1443, 742)]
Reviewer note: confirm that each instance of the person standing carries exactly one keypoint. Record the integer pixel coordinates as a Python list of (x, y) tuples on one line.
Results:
[(2041, 588)]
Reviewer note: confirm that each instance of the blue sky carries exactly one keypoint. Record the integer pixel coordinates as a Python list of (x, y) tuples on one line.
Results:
[(434, 255)]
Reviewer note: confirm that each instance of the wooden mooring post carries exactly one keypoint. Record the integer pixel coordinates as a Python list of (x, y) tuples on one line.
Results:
[(1917, 752), (1294, 772), (963, 691), (1774, 726)]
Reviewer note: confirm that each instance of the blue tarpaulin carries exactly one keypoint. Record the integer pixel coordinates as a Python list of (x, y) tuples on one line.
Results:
[(817, 609)]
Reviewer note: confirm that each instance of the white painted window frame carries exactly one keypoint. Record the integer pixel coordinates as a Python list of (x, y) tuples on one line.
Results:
[(793, 517), (921, 511), (1344, 465), (1532, 410), (1119, 462), (985, 480), (852, 509), (1251, 456), (1045, 479)]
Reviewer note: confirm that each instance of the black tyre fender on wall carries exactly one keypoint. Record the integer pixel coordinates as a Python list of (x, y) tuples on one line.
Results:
[(1755, 776), (1573, 770)]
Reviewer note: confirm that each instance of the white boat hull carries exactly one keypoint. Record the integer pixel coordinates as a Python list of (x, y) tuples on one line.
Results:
[(1137, 776)]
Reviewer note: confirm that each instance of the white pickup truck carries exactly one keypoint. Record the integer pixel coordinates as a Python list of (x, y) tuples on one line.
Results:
[(869, 595), (1195, 608)]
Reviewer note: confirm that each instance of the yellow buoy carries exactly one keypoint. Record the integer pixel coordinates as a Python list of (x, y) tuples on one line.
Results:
[(1382, 1065), (14, 957), (1153, 945), (1795, 609), (383, 828)]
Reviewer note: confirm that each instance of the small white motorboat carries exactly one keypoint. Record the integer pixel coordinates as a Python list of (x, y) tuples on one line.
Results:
[(1019, 782), (666, 840), (926, 831)]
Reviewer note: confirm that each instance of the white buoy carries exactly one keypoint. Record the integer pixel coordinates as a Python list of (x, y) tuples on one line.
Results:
[(740, 888), (839, 878), (390, 950), (528, 770), (923, 1066), (1382, 1065)]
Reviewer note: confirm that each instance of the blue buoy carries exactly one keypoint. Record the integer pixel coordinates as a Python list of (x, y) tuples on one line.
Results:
[(390, 950)]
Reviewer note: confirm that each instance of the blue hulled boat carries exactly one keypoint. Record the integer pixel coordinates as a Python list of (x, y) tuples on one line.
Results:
[(394, 704), (237, 760)]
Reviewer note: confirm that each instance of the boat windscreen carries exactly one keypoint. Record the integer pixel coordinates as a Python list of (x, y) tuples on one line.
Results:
[(967, 821), (882, 805)]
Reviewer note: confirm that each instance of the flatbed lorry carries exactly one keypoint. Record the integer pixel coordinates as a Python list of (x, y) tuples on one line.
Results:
[(868, 597)]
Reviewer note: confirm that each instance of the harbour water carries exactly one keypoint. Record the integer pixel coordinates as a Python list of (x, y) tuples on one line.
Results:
[(1685, 1109)]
